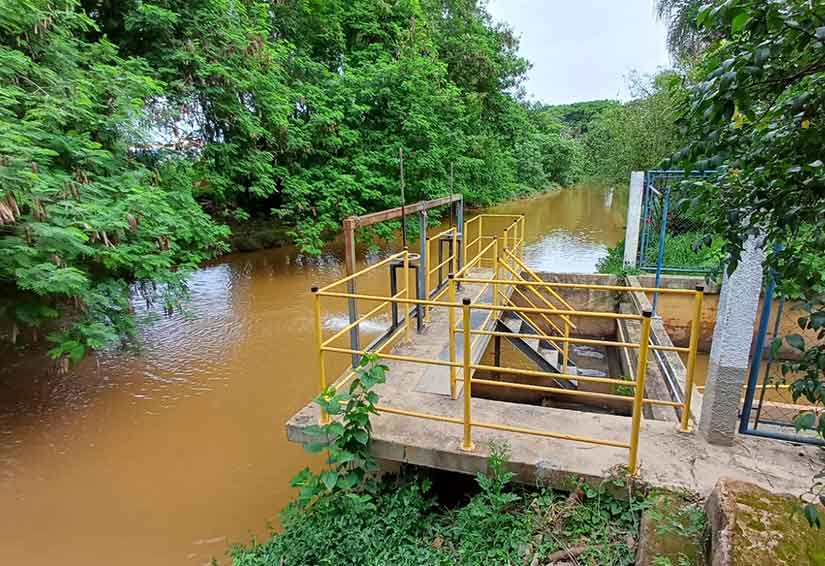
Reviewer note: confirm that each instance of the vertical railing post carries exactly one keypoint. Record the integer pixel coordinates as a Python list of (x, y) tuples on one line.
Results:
[(352, 307), (455, 251), (565, 356), (319, 341), (756, 357), (459, 224), (427, 280), (423, 260), (695, 332), (407, 309), (495, 276), (451, 325), (660, 260), (464, 240), (480, 238), (638, 399), (467, 441)]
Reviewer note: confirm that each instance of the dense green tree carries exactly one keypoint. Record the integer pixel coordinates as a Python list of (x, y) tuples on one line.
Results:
[(117, 115), (301, 107), (636, 135), (756, 113), (80, 217), (577, 117)]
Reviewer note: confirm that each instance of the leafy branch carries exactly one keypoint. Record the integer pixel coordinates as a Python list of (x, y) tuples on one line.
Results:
[(346, 438)]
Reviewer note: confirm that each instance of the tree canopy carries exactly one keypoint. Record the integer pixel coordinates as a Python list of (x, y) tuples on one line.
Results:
[(132, 130), (755, 112), (80, 218)]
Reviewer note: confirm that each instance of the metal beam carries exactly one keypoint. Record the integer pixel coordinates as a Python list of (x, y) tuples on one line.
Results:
[(390, 213), (423, 264), (352, 307)]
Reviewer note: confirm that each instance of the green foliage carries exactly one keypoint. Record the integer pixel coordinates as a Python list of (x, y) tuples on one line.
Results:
[(81, 218), (636, 135), (301, 108), (115, 116), (347, 514), (681, 250), (577, 117), (403, 523), (346, 438), (755, 112), (491, 532), (613, 262)]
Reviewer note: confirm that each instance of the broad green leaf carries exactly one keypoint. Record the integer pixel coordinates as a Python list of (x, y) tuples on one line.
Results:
[(329, 478)]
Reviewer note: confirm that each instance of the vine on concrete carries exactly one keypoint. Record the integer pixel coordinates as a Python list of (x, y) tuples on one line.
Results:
[(346, 438)]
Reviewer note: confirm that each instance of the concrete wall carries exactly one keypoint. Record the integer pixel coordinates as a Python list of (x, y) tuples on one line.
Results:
[(677, 312), (586, 300)]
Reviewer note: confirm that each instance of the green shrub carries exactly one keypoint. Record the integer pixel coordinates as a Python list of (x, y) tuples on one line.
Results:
[(347, 515), (681, 251)]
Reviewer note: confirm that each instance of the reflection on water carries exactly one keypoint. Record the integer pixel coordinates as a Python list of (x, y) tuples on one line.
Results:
[(166, 455), (570, 230)]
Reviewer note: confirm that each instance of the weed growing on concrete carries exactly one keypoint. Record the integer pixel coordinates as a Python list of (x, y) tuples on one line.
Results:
[(346, 438), (403, 522)]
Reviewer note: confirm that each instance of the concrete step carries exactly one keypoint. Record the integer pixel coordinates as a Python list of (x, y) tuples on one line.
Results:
[(526, 328)]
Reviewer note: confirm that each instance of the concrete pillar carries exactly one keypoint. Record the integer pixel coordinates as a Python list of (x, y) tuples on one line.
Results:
[(634, 215), (730, 352)]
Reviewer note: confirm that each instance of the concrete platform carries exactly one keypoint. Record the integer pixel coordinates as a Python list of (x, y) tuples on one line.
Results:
[(668, 458)]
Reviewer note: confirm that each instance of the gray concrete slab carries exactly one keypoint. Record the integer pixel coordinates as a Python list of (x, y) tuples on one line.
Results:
[(668, 458), (436, 379)]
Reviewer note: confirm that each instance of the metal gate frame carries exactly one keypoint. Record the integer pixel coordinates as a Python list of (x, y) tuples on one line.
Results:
[(751, 426), (656, 209)]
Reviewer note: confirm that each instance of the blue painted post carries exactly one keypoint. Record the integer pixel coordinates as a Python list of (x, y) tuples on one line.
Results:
[(767, 373), (661, 259), (753, 376)]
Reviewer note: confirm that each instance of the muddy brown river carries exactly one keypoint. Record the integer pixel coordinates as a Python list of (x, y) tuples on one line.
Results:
[(169, 454)]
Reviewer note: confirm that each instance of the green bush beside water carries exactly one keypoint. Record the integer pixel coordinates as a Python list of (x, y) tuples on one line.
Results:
[(346, 514), (405, 523), (680, 252)]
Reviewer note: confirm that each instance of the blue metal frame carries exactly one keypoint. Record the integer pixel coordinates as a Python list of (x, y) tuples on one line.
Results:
[(759, 347), (745, 426), (651, 197)]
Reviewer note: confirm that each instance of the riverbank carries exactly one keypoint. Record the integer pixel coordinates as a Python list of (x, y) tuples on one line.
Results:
[(267, 233)]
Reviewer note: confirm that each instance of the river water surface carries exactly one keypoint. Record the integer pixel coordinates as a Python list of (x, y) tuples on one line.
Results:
[(167, 455)]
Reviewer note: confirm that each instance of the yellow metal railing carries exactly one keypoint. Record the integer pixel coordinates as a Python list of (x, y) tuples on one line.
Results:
[(450, 262), (492, 278)]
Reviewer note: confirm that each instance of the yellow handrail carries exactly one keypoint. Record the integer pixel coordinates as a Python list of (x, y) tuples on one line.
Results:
[(531, 321), (477, 259), (695, 331), (535, 276), (641, 373), (538, 294), (584, 342), (507, 278), (451, 259), (363, 271), (361, 319)]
